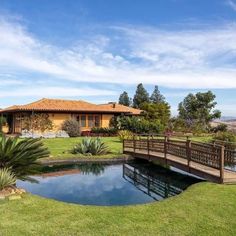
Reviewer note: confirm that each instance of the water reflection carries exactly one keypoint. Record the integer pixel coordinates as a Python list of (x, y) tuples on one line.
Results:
[(156, 181), (86, 169), (106, 185)]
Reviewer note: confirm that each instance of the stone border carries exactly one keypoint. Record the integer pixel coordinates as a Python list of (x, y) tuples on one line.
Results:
[(116, 160), (12, 194)]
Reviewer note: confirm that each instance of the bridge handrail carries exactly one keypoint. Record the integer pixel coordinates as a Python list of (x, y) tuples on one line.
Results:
[(212, 158)]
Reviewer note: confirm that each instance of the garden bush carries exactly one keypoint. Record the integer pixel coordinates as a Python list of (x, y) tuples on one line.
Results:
[(219, 128), (137, 124), (71, 127), (125, 134), (7, 178), (228, 139), (91, 146), (100, 131), (3, 122), (39, 122)]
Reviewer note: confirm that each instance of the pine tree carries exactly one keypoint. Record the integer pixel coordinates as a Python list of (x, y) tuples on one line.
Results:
[(141, 96), (124, 99), (156, 96)]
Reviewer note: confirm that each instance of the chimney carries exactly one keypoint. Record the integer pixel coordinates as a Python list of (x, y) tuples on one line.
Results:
[(113, 104)]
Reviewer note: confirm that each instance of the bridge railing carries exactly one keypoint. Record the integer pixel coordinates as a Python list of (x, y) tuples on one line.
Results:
[(210, 155)]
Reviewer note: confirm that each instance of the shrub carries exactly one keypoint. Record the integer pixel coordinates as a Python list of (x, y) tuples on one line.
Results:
[(104, 131), (91, 146), (7, 178), (3, 122), (228, 139), (219, 128), (38, 121), (71, 127), (137, 124), (21, 156), (125, 134)]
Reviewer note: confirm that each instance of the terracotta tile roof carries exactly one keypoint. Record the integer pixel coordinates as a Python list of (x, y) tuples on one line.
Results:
[(71, 106), (120, 108)]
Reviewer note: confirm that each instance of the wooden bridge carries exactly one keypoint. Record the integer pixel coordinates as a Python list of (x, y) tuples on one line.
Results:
[(213, 162)]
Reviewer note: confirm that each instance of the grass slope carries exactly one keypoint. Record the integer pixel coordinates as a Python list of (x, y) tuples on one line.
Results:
[(59, 147), (204, 209)]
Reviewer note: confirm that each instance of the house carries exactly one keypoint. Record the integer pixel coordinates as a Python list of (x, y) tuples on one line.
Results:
[(87, 114)]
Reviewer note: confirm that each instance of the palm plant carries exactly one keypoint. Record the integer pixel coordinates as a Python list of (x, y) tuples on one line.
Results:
[(7, 178), (21, 156), (90, 146)]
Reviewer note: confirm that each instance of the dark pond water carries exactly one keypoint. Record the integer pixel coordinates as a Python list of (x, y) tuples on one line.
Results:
[(107, 185)]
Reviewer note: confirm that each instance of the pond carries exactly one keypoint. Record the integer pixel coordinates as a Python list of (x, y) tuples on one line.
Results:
[(108, 185)]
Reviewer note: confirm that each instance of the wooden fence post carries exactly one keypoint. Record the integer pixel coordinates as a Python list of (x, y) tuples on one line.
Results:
[(123, 145), (165, 149), (222, 163), (188, 152), (134, 143), (148, 147)]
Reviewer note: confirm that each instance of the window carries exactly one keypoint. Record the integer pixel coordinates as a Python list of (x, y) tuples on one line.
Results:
[(97, 121), (90, 121), (83, 120)]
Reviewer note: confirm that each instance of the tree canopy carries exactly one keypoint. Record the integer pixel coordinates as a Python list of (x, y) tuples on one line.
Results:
[(141, 96), (124, 99), (157, 112), (198, 109), (156, 96)]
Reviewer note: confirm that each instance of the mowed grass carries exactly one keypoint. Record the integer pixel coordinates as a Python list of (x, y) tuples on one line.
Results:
[(203, 209), (60, 147)]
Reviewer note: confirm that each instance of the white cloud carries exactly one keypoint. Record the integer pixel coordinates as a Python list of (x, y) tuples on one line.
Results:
[(6, 82), (54, 91), (232, 4), (197, 59)]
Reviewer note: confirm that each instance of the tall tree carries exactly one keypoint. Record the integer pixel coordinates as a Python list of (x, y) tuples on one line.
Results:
[(156, 96), (198, 109), (141, 96), (157, 112), (124, 99)]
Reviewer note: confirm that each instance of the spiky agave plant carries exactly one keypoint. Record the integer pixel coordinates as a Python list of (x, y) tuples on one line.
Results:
[(21, 156), (89, 146), (7, 178), (98, 147)]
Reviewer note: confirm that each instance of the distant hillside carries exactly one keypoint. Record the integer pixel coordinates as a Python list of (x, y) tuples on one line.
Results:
[(228, 118), (231, 123)]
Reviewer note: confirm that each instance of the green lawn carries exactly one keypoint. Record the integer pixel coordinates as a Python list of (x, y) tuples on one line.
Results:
[(204, 139), (60, 147), (204, 209)]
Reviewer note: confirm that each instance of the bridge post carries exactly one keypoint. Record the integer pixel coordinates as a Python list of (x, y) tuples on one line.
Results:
[(188, 152), (148, 147), (222, 163), (123, 145), (165, 149), (134, 143)]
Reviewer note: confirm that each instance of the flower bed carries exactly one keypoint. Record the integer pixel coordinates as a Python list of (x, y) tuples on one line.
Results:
[(100, 132)]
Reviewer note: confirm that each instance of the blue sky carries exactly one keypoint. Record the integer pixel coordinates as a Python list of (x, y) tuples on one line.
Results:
[(95, 49)]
